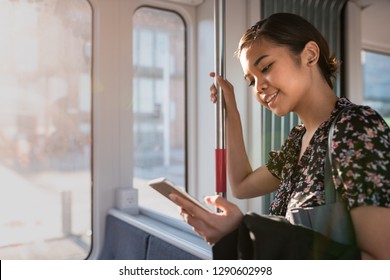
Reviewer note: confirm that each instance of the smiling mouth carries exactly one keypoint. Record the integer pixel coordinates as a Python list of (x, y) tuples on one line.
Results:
[(271, 98)]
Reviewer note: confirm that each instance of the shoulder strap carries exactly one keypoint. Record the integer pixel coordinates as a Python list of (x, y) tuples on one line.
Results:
[(331, 195)]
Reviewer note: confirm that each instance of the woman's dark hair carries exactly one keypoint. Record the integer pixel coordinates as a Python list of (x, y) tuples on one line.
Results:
[(294, 32)]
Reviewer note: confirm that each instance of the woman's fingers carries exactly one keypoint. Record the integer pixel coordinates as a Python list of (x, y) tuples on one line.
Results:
[(194, 216), (211, 226), (221, 203), (227, 90), (213, 93), (187, 206)]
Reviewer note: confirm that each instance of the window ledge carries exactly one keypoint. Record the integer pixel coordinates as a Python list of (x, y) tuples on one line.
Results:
[(173, 231)]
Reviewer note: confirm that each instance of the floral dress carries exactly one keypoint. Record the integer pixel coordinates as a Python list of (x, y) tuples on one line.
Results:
[(361, 146)]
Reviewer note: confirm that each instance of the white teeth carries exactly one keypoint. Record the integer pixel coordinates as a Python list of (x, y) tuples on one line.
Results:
[(272, 97)]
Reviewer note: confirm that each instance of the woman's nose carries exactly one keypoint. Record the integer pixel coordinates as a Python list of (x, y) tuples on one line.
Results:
[(261, 84)]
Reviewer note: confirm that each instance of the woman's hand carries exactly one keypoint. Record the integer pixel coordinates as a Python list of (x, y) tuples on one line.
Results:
[(227, 90), (211, 226)]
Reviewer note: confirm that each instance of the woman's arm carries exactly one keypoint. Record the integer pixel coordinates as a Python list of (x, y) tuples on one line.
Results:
[(244, 182), (361, 149), (372, 228)]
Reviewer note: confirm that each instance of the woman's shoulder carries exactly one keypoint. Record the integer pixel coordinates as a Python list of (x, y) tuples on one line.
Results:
[(361, 149), (359, 118)]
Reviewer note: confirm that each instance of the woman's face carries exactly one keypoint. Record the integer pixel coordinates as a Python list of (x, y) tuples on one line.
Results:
[(280, 82)]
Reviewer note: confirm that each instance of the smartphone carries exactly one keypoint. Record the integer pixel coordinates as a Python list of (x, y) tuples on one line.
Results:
[(165, 187)]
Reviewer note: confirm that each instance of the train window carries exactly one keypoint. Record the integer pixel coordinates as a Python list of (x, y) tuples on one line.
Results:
[(376, 80), (45, 131), (158, 103)]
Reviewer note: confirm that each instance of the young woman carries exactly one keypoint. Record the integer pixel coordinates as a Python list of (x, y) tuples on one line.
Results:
[(287, 63)]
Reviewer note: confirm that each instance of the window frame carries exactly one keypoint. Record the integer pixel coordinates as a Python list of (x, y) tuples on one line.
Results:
[(112, 67), (185, 101), (71, 104)]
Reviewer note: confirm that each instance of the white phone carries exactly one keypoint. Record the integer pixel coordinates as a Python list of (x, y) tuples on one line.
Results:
[(165, 187)]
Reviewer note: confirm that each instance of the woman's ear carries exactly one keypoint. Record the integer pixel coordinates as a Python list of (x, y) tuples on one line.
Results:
[(310, 53)]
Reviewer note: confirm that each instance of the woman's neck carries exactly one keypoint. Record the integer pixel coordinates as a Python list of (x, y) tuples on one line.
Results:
[(317, 109)]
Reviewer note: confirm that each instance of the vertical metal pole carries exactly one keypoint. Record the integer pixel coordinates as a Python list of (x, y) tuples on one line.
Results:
[(220, 149)]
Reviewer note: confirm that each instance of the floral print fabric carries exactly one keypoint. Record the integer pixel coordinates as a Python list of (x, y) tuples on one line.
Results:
[(361, 146)]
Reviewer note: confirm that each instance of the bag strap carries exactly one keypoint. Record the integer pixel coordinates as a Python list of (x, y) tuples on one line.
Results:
[(331, 196)]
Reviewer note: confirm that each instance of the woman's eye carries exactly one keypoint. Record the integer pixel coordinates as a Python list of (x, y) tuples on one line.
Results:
[(251, 83), (266, 68)]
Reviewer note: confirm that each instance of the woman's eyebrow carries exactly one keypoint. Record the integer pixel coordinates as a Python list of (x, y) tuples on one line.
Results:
[(257, 61)]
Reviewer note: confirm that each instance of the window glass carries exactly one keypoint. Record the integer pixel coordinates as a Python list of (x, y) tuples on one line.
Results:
[(376, 79), (45, 129), (158, 104)]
